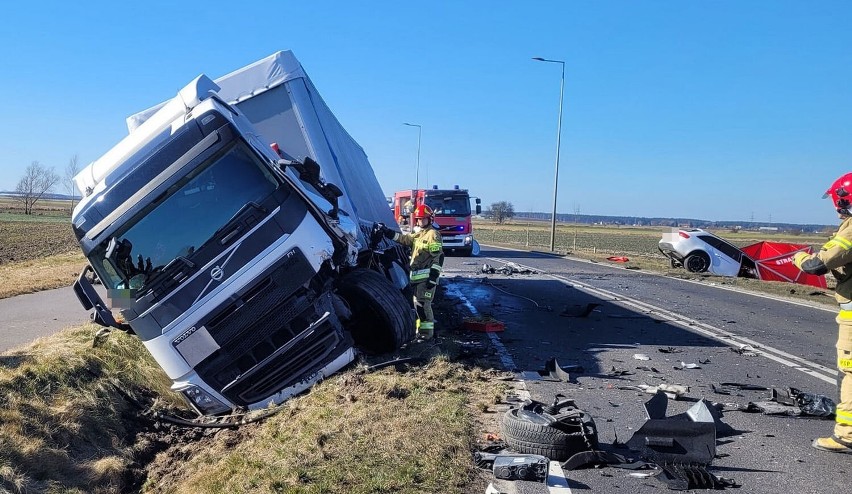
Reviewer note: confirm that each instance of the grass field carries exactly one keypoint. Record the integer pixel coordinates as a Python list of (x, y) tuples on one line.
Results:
[(38, 251), (611, 240)]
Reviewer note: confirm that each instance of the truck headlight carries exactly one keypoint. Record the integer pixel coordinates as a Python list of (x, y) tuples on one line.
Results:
[(468, 239), (203, 401)]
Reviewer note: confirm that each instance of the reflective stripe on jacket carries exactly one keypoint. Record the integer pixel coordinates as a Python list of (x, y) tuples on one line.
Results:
[(427, 254), (835, 256)]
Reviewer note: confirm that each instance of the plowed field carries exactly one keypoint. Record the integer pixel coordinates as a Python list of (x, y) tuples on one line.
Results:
[(27, 240)]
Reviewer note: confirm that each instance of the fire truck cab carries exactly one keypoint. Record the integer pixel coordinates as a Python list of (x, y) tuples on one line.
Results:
[(452, 214)]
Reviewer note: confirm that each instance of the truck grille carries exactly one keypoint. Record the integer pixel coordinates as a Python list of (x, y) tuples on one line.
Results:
[(250, 329)]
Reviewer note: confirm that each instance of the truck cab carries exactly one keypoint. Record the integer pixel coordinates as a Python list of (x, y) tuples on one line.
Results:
[(246, 273)]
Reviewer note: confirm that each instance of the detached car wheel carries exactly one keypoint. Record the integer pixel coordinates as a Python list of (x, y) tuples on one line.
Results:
[(382, 319), (556, 433), (697, 262)]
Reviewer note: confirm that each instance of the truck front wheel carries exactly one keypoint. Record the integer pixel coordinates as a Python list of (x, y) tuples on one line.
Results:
[(382, 319)]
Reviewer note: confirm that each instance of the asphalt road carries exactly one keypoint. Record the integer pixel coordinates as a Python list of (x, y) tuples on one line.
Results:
[(27, 317), (641, 313)]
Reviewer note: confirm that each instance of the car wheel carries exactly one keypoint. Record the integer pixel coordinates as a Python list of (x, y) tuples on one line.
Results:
[(530, 430), (697, 262), (382, 319)]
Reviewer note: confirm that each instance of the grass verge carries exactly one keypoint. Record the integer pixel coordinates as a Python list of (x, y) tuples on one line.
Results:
[(358, 432), (67, 419), (40, 274)]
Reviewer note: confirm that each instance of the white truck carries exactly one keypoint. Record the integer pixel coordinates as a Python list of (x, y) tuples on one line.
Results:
[(233, 230)]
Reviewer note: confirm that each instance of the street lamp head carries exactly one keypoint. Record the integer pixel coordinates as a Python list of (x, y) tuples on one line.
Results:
[(410, 124), (539, 59)]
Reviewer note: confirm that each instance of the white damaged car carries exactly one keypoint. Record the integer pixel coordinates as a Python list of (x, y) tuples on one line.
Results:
[(699, 251)]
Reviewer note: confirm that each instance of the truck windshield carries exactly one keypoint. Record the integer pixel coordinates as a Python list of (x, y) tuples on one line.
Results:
[(182, 219), (449, 205)]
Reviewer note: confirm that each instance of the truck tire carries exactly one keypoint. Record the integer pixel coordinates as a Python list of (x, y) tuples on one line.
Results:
[(557, 438), (697, 262), (382, 319)]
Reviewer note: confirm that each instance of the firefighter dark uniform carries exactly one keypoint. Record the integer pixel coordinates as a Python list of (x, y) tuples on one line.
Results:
[(427, 258), (836, 257)]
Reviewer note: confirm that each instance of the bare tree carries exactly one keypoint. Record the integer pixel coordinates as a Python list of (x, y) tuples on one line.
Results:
[(71, 170), (37, 181), (502, 211)]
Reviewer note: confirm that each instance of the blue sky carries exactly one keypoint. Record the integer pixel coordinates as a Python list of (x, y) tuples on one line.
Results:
[(718, 110)]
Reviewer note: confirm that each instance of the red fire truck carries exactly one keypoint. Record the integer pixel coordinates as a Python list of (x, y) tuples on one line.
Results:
[(452, 214)]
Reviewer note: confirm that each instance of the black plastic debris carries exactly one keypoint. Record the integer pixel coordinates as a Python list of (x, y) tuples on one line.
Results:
[(554, 372), (793, 402), (813, 404), (579, 311), (686, 438), (588, 459), (647, 369), (617, 372), (769, 407), (669, 349), (734, 388), (680, 477)]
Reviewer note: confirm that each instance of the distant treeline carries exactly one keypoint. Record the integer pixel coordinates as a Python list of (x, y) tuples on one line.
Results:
[(591, 219), (49, 196)]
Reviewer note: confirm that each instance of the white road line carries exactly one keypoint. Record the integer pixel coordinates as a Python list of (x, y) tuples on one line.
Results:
[(795, 362)]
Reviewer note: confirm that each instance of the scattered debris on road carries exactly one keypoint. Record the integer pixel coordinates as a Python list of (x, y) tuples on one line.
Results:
[(507, 269)]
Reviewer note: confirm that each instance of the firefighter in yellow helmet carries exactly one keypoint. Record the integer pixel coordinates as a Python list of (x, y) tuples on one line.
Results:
[(427, 258), (836, 256)]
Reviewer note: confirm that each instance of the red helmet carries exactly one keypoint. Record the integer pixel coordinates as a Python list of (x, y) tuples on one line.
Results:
[(841, 194), (423, 211)]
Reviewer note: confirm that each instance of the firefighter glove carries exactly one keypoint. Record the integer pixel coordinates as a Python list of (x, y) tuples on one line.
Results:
[(799, 258)]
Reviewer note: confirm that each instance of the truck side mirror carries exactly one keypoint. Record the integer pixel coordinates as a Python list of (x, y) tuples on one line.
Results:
[(310, 171), (478, 208), (334, 190)]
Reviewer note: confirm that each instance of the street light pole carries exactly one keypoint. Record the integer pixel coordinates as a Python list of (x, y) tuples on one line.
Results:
[(417, 173), (558, 139)]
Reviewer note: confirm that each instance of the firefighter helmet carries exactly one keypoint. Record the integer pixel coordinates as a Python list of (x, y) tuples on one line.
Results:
[(423, 211), (841, 194)]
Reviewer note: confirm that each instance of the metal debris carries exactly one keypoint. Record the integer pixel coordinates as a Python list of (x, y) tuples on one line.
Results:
[(684, 365), (670, 349), (745, 350)]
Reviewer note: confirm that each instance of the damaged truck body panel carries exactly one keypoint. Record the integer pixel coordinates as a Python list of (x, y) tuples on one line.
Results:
[(231, 228)]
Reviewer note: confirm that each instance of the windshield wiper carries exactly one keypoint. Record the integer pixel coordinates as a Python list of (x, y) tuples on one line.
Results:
[(234, 231), (172, 270)]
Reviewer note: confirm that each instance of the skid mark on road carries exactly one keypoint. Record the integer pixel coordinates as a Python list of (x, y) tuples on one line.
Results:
[(735, 341)]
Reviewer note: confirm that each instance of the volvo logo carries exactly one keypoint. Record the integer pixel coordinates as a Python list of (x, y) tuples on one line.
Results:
[(216, 273)]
